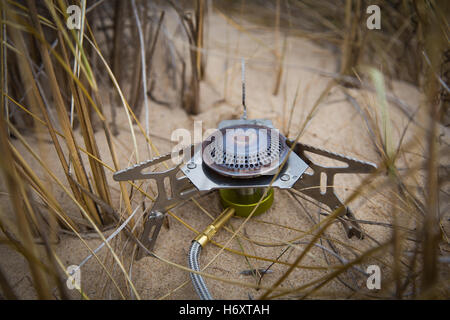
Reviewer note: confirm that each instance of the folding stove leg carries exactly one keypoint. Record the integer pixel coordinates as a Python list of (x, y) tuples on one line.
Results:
[(152, 227), (310, 184)]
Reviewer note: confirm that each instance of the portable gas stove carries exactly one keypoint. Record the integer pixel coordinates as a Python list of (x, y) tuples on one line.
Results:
[(241, 159), (244, 160)]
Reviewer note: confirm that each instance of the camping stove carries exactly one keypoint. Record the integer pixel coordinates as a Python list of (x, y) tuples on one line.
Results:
[(244, 160)]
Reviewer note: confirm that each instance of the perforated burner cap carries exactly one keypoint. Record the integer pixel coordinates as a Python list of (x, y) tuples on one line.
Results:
[(245, 151)]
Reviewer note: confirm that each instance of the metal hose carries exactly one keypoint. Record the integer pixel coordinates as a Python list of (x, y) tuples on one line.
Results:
[(197, 280), (196, 247)]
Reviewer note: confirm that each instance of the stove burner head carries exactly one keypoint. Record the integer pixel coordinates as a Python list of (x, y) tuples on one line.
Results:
[(245, 151)]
